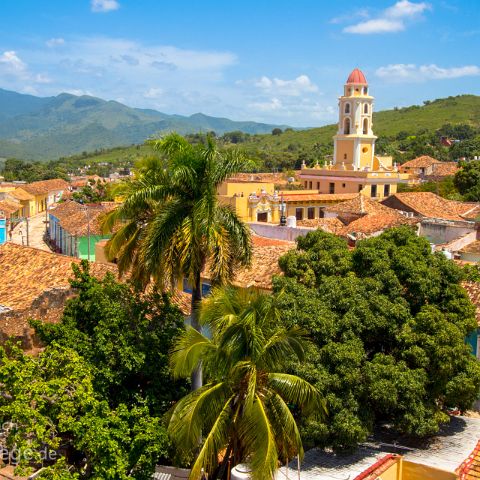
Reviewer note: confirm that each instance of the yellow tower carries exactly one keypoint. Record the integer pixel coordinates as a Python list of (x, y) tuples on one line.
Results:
[(354, 143)]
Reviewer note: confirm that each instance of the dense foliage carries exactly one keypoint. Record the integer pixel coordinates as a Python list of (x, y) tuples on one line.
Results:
[(98, 391), (467, 180), (389, 321), (245, 409)]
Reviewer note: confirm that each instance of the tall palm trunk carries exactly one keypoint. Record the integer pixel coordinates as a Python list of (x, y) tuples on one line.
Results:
[(197, 377)]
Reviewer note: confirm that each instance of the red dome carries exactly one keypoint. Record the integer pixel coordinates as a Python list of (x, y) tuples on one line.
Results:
[(357, 77)]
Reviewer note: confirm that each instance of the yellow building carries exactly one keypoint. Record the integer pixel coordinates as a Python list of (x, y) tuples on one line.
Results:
[(260, 202), (355, 167)]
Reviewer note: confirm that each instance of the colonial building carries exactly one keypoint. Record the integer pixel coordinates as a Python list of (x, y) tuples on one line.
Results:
[(355, 167)]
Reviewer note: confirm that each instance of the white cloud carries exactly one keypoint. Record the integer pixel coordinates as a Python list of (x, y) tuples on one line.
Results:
[(392, 19), (12, 63), (401, 72), (54, 42), (296, 87), (42, 78), (104, 5), (271, 105), (377, 25)]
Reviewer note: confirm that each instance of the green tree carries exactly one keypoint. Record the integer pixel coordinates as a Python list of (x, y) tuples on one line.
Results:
[(467, 180), (388, 321), (49, 402), (124, 336), (246, 405), (277, 131), (172, 222)]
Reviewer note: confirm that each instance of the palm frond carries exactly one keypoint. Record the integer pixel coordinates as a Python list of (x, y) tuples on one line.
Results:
[(258, 437), (187, 352), (297, 391)]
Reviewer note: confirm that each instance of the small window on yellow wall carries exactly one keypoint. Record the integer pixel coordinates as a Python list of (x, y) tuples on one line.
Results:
[(365, 149), (343, 185)]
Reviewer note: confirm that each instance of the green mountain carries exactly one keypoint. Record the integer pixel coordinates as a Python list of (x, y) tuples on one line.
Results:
[(45, 128)]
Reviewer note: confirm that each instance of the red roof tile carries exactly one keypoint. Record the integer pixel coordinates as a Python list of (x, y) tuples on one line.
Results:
[(420, 162)]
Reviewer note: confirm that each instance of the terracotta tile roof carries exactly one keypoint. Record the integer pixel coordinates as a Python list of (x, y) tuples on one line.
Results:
[(420, 162), (259, 241), (330, 225), (74, 217), (473, 247), (21, 194), (359, 205), (27, 274), (427, 204), (444, 169), (470, 468), (370, 224), (183, 301), (44, 187), (8, 207), (264, 264), (374, 471), (473, 290), (320, 197), (470, 211)]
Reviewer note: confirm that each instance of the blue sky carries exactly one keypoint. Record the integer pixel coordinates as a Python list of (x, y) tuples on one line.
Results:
[(275, 61)]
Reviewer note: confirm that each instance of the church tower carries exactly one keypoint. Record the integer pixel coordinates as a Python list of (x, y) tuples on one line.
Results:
[(354, 143)]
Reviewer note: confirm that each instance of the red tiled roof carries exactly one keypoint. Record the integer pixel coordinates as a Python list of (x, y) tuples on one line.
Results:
[(44, 187), (329, 225), (77, 219), (473, 290), (21, 194), (427, 204), (357, 77), (470, 468), (259, 241), (444, 169), (360, 205), (374, 223), (8, 207), (420, 162)]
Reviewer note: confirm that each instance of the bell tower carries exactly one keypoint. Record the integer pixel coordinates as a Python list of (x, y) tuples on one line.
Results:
[(354, 143)]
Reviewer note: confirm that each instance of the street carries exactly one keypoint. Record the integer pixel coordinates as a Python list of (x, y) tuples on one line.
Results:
[(36, 227)]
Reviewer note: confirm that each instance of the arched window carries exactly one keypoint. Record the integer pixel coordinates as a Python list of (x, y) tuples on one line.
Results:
[(365, 90), (346, 127), (347, 108), (365, 126), (365, 108)]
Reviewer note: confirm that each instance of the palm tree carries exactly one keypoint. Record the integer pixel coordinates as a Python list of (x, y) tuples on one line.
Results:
[(171, 222), (244, 409)]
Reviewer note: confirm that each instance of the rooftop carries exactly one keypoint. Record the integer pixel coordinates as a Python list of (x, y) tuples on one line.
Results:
[(8, 207), (21, 194), (375, 223), (427, 204), (473, 290), (78, 219), (357, 77), (329, 225), (44, 187), (420, 162), (361, 205), (27, 273), (444, 169)]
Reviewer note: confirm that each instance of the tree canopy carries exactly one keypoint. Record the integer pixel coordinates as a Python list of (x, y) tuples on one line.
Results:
[(388, 321), (467, 180), (97, 394)]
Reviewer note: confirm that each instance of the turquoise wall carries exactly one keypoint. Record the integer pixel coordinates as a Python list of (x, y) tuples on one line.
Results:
[(3, 231), (83, 246)]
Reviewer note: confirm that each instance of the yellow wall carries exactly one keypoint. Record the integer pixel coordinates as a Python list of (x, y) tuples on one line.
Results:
[(365, 157), (344, 147), (237, 188), (415, 471)]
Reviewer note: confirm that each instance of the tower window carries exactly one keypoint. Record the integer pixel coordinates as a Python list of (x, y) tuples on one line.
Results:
[(344, 156), (365, 108), (347, 108), (360, 188), (365, 149), (346, 127), (386, 190), (365, 90), (373, 191), (331, 188), (365, 127), (343, 185)]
